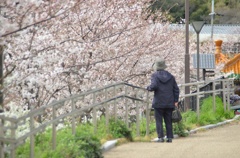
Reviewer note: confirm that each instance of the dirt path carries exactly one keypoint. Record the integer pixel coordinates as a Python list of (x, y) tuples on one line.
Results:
[(220, 142)]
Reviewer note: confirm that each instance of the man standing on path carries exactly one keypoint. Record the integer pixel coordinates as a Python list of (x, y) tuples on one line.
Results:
[(166, 95)]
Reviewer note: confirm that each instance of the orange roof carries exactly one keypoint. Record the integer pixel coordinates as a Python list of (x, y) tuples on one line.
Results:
[(233, 65)]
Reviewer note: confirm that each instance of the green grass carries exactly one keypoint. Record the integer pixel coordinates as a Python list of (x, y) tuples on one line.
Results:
[(81, 145), (207, 114)]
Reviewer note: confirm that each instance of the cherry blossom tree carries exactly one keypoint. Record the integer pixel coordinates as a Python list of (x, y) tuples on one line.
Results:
[(56, 48), (20, 21)]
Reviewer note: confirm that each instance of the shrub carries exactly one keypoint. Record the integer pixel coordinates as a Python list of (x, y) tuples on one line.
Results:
[(209, 116), (180, 129), (88, 142), (189, 117), (119, 129), (81, 145)]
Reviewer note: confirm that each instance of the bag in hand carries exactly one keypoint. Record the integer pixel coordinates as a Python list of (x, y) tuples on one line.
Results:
[(176, 115)]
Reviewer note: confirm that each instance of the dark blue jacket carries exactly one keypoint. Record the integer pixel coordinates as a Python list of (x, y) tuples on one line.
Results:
[(166, 91)]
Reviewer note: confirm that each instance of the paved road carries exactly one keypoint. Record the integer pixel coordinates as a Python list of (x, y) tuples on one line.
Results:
[(220, 142)]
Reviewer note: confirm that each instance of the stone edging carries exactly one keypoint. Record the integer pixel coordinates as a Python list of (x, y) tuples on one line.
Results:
[(213, 125)]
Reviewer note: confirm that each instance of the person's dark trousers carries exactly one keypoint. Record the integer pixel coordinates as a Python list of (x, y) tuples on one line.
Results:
[(165, 114)]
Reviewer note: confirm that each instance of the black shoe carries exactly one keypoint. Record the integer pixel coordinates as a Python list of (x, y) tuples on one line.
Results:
[(160, 140), (169, 140)]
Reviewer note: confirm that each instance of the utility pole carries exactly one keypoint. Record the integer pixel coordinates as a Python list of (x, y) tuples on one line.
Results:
[(187, 58), (212, 19)]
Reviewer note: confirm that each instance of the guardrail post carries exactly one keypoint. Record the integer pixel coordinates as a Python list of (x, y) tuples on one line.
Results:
[(228, 94), (54, 130), (107, 111), (147, 114), (32, 139), (94, 113), (73, 117), (13, 136), (224, 94), (137, 117), (115, 106), (84, 119), (126, 106), (214, 96)]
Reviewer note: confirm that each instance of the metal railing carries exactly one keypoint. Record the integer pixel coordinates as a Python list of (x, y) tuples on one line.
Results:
[(120, 100), (220, 87)]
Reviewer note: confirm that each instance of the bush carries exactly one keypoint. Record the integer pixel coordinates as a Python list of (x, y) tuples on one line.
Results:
[(119, 129), (84, 144), (88, 142), (209, 116), (180, 129), (189, 117)]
